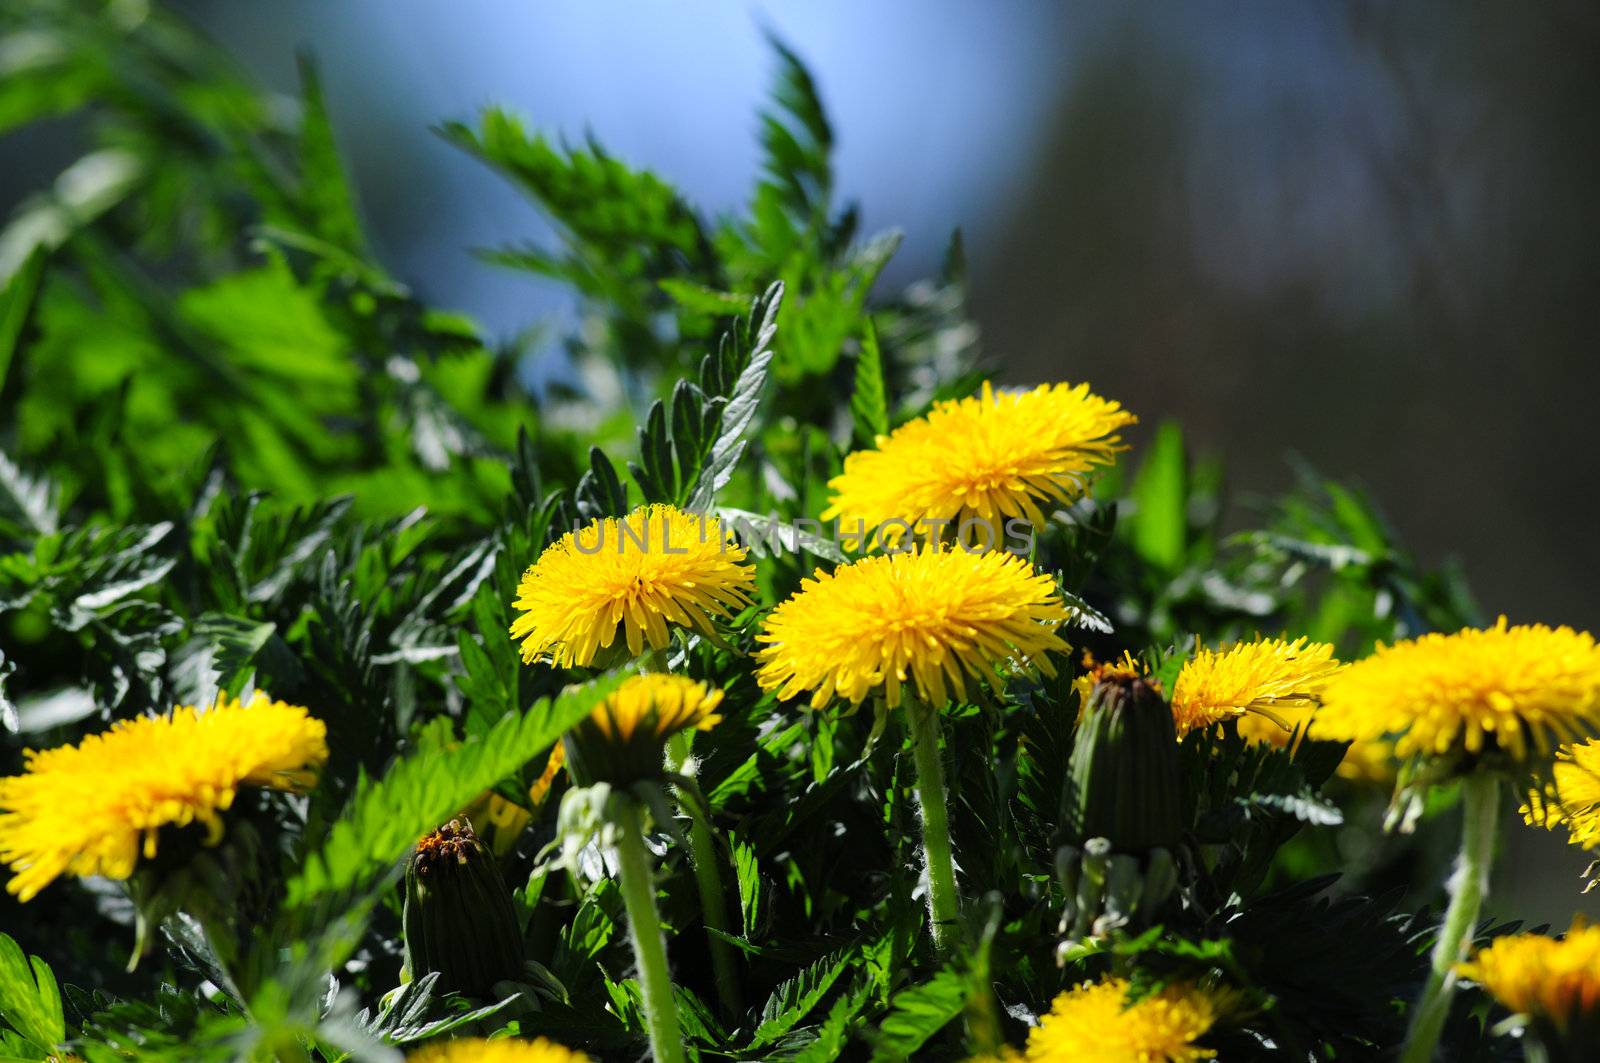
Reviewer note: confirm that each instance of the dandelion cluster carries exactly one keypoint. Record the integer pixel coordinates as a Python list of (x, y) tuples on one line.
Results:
[(1512, 690), (991, 456), (925, 618), (657, 566), (96, 807)]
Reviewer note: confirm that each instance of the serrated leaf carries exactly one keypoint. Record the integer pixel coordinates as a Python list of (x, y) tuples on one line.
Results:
[(794, 998), (16, 307), (869, 405), (25, 500), (739, 414), (917, 1013), (385, 818), (29, 998)]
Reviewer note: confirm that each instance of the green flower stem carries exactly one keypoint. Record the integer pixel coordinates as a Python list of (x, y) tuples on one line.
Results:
[(644, 929), (943, 902), (1480, 802), (708, 878)]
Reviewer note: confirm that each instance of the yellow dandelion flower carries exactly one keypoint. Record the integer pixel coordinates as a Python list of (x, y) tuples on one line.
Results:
[(991, 456), (86, 809), (1573, 796), (1095, 1023), (623, 739), (1517, 691), (499, 1050), (929, 616), (1263, 678), (1557, 982), (656, 566)]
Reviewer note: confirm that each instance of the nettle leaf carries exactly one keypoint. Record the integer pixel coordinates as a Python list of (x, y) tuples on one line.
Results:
[(17, 302), (27, 501), (917, 1014), (29, 998), (794, 998), (385, 818), (1305, 806), (797, 139), (769, 536), (869, 404), (217, 657), (753, 338), (325, 194)]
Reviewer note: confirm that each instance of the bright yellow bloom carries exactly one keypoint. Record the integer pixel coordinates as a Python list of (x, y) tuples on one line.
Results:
[(655, 705), (1574, 795), (1094, 1023), (654, 567), (930, 616), (1517, 691), (991, 456), (85, 809), (499, 1050), (1258, 678), (1538, 976)]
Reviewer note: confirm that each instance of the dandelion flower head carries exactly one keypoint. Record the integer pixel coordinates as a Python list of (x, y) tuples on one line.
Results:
[(927, 618), (991, 456), (1517, 691), (96, 807), (656, 567), (1541, 977), (1095, 1023)]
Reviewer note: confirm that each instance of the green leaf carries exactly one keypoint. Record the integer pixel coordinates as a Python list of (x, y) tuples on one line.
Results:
[(798, 140), (793, 998), (738, 416), (29, 502), (16, 307), (917, 1014), (698, 299), (385, 818), (325, 190), (869, 406), (29, 998), (1160, 498)]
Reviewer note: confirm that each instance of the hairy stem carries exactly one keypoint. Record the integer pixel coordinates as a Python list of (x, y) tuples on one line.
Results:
[(943, 901), (644, 929), (1480, 802), (708, 879)]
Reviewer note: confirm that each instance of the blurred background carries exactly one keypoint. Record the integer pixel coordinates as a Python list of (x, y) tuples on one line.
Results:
[(1361, 234)]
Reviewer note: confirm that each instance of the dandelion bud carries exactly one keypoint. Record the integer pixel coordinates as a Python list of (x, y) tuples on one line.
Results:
[(1123, 779), (459, 917)]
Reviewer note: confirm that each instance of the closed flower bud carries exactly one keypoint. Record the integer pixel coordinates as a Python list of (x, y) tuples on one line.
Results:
[(1123, 779), (459, 917)]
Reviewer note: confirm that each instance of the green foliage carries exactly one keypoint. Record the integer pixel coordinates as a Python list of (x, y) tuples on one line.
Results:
[(235, 453)]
